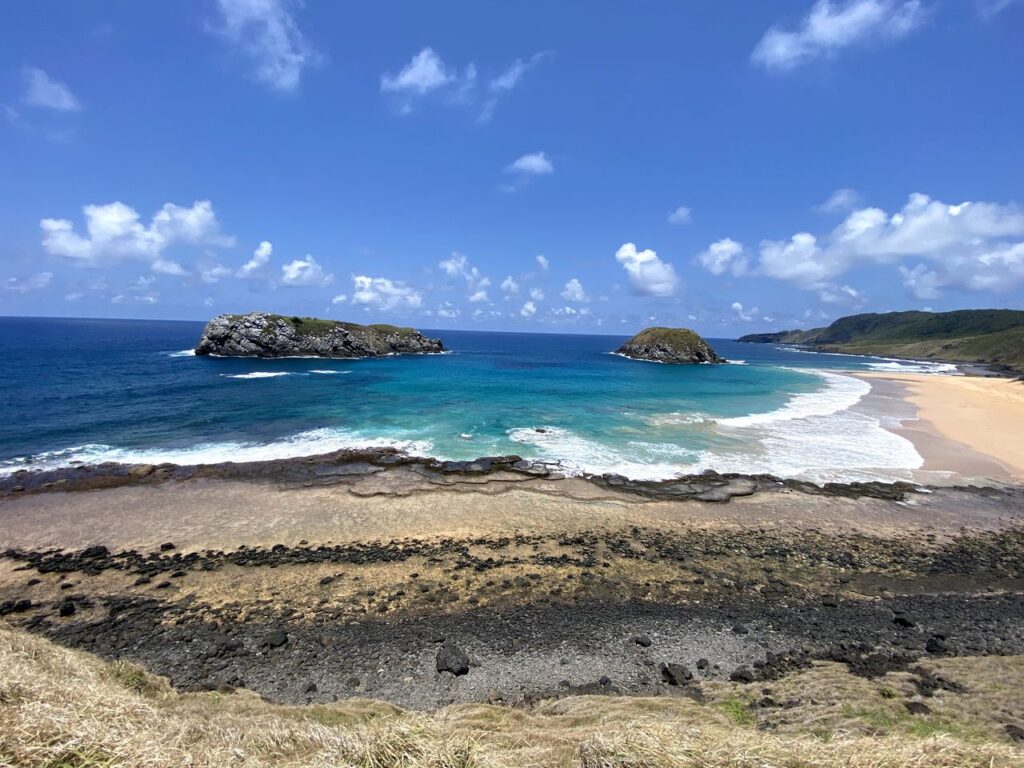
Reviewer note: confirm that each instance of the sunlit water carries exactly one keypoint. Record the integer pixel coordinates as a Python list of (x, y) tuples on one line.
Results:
[(130, 391)]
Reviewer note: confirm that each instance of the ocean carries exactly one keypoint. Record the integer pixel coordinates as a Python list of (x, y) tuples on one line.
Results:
[(88, 391)]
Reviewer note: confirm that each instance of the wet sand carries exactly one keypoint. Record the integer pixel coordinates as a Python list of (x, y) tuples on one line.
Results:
[(967, 424)]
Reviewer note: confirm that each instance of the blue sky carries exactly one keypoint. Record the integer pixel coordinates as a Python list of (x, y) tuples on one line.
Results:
[(582, 166)]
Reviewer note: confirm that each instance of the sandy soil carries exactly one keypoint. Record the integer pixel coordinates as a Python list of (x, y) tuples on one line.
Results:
[(984, 414)]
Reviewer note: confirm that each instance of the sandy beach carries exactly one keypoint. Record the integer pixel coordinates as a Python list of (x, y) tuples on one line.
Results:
[(983, 414)]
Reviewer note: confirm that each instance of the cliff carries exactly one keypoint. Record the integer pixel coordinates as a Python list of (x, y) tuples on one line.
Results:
[(260, 334), (669, 345), (993, 337)]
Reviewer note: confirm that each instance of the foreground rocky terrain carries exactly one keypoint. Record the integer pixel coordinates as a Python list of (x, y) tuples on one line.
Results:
[(867, 609), (260, 334)]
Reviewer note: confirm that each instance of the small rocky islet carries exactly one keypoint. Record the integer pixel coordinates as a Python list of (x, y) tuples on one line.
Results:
[(669, 345), (262, 334)]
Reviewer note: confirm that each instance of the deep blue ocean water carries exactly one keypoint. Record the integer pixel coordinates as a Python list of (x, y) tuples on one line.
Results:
[(96, 390)]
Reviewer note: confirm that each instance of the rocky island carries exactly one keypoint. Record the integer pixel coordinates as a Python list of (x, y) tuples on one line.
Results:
[(669, 345), (261, 334)]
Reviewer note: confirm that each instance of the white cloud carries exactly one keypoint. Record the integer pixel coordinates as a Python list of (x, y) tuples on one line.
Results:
[(425, 73), (266, 32), (537, 294), (304, 272), (74, 295), (214, 274), (341, 298), (43, 91), (972, 245), (509, 285), (830, 27), (842, 200), (543, 262), (681, 215), (168, 267), (574, 291), (115, 232), (529, 309), (724, 255), (447, 310), (458, 266), (745, 315), (259, 259), (382, 293), (506, 81), (533, 164), (31, 283), (648, 275)]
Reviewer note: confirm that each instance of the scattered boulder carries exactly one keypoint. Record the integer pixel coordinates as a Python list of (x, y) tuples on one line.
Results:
[(451, 658), (643, 641), (276, 639), (675, 674), (917, 708), (742, 675)]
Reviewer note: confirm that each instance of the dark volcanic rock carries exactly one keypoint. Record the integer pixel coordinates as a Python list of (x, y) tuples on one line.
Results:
[(260, 334), (675, 674), (669, 345), (917, 708), (451, 658)]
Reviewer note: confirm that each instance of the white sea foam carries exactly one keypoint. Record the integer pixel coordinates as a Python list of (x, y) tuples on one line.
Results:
[(326, 372), (892, 365), (257, 375), (577, 455), (841, 393), (310, 443), (182, 353)]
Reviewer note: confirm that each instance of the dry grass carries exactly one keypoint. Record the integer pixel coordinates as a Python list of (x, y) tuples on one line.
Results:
[(66, 709)]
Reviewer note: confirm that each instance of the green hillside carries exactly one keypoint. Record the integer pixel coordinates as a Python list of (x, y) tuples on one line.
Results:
[(988, 336)]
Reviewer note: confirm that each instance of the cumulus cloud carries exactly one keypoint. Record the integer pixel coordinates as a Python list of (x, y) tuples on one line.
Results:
[(43, 91), (458, 266), (537, 294), (842, 200), (259, 259), (574, 291), (725, 255), (31, 283), (529, 309), (267, 34), (382, 293), (532, 164), (971, 245), (745, 315), (680, 215), (542, 262), (114, 232), (509, 285), (648, 275), (426, 72), (214, 274), (304, 272), (830, 27), (448, 310)]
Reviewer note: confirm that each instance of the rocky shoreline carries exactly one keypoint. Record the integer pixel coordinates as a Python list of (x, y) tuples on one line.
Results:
[(349, 466)]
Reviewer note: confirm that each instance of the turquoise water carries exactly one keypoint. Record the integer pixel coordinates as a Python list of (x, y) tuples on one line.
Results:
[(100, 390)]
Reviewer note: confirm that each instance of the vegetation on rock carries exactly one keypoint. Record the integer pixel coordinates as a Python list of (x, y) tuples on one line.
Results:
[(669, 345), (987, 336)]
